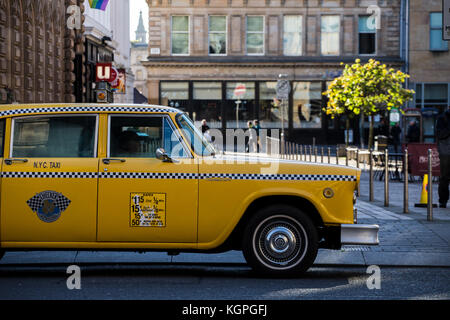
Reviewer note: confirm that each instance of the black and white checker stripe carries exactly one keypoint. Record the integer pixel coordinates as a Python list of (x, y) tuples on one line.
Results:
[(95, 108), (64, 175), (178, 176), (297, 177)]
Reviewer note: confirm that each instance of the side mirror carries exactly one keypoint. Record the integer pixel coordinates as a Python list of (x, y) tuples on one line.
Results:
[(162, 155)]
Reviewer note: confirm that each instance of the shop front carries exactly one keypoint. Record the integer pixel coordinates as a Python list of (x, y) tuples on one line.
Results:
[(232, 104)]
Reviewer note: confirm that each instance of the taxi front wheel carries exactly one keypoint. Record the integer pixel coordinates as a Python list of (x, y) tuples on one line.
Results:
[(280, 240)]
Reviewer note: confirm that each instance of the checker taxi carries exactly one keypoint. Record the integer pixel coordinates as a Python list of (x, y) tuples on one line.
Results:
[(142, 177)]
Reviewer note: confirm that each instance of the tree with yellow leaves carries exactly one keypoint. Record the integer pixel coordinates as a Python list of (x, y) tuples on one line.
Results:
[(367, 89)]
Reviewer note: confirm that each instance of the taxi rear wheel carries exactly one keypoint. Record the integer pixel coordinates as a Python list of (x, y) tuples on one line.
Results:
[(280, 240)]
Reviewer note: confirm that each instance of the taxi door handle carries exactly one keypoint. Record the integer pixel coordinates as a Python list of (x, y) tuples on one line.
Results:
[(108, 160), (11, 161)]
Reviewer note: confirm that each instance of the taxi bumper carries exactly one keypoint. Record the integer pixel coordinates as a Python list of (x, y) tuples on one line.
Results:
[(359, 234)]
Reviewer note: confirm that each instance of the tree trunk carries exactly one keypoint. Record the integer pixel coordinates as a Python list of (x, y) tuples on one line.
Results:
[(370, 142), (347, 125)]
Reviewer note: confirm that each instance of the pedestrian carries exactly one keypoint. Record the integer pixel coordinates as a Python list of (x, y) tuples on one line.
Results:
[(395, 134), (443, 136), (205, 131), (205, 126), (413, 134), (257, 128), (252, 138)]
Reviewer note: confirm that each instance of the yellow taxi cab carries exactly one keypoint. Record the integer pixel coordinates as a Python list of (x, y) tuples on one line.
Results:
[(142, 177)]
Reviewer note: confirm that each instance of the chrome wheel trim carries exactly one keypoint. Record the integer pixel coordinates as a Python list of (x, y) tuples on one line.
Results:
[(280, 242)]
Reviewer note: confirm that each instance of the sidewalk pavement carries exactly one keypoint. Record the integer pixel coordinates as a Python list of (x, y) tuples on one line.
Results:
[(405, 239)]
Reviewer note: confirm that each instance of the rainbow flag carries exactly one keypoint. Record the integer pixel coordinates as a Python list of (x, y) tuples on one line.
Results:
[(98, 4)]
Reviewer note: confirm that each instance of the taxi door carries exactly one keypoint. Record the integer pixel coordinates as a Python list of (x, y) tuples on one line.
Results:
[(49, 180), (141, 198)]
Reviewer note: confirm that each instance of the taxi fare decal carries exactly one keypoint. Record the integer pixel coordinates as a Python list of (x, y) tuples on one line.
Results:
[(147, 209), (48, 205)]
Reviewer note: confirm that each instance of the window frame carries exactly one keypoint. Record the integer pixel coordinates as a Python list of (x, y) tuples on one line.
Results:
[(162, 116), (263, 32), (13, 120), (301, 34), (422, 100), (442, 48), (339, 35), (218, 32), (375, 39), (180, 32)]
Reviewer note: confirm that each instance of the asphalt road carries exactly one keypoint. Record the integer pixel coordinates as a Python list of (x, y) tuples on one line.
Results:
[(217, 282)]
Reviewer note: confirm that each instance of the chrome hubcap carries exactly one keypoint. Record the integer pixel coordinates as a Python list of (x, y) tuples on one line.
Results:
[(280, 242)]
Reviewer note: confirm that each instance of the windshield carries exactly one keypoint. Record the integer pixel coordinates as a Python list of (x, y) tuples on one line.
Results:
[(198, 142)]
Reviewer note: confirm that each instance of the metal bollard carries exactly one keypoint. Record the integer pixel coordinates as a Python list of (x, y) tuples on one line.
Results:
[(337, 158), (315, 154), (430, 189), (329, 155), (310, 153), (346, 157), (370, 176), (405, 184), (386, 178), (357, 158), (321, 155)]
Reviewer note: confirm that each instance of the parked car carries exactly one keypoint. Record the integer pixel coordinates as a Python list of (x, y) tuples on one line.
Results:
[(142, 177)]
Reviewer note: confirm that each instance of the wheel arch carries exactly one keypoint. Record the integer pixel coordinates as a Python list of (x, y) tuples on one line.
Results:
[(306, 206)]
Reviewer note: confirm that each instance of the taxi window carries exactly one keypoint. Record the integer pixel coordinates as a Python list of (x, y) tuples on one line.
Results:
[(140, 136), (54, 137)]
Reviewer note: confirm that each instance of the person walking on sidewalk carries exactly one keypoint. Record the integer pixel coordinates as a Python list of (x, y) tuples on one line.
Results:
[(443, 135)]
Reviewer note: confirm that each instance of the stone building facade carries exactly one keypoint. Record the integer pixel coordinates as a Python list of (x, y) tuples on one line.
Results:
[(200, 51), (428, 63), (37, 51)]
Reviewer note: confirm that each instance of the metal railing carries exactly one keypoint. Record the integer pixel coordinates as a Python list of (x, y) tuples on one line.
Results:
[(376, 160)]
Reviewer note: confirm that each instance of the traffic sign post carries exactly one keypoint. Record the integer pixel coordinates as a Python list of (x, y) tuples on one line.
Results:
[(239, 91), (283, 89)]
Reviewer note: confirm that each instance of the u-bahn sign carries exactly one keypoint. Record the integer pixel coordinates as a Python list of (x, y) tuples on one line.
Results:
[(446, 20)]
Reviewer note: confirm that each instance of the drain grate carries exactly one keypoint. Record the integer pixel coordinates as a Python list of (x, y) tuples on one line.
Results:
[(355, 248)]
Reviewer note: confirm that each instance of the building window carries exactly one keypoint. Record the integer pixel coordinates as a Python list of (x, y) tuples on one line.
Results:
[(239, 104), (180, 35), (330, 26), (255, 35), (175, 94), (270, 109), (307, 108), (432, 95), (207, 103), (292, 38), (436, 42), (367, 36), (217, 35)]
